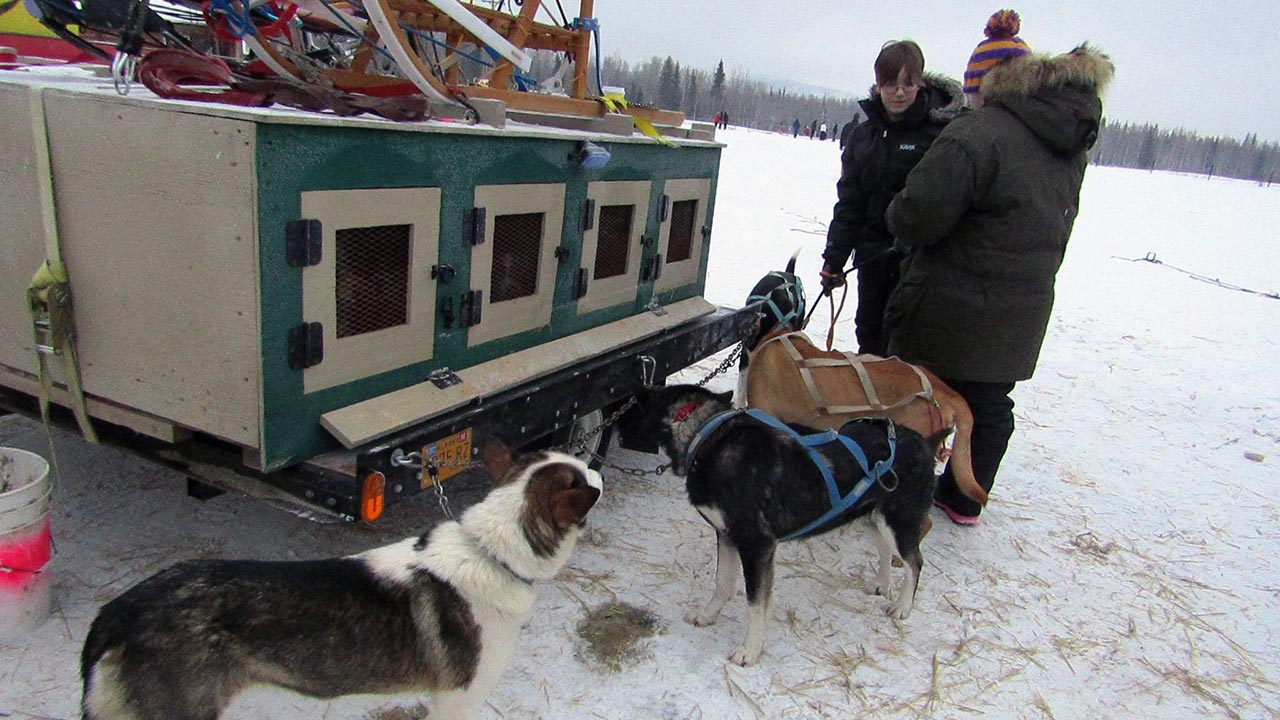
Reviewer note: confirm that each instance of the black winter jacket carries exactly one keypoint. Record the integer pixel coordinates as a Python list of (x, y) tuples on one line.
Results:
[(879, 154), (985, 219)]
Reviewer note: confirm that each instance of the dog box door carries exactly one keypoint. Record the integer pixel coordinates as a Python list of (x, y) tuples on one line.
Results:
[(371, 291), (680, 233), (611, 242), (513, 261)]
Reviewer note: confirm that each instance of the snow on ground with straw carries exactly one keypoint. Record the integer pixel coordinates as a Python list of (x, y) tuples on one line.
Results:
[(1126, 567)]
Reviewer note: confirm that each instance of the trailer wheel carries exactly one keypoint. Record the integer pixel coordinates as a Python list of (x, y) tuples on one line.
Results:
[(595, 450)]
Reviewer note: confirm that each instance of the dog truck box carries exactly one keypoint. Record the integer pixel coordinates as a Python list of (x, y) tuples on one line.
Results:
[(331, 310)]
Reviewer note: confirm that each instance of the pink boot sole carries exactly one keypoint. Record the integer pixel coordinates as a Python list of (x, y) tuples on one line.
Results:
[(956, 517)]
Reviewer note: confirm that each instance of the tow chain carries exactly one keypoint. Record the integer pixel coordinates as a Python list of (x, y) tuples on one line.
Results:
[(432, 468)]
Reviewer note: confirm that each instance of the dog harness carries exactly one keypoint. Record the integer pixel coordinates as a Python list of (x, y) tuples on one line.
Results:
[(857, 362), (793, 292), (871, 474)]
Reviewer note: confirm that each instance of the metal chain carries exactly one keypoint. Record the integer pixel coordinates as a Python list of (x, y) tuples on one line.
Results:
[(728, 362)]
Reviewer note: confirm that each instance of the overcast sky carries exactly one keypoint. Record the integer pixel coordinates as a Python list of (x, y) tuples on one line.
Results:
[(1204, 66)]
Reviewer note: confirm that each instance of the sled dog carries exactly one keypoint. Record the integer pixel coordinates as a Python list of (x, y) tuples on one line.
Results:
[(439, 613), (755, 481)]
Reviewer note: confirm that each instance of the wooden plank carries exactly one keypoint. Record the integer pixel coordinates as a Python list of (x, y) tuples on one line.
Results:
[(158, 216), (116, 414), (537, 102), (377, 417)]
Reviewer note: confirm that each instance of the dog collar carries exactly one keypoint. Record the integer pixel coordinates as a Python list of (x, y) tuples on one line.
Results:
[(497, 560), (685, 411)]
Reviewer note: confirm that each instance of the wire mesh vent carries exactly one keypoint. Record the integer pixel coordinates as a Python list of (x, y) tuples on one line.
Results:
[(371, 280), (680, 240), (613, 239), (517, 248)]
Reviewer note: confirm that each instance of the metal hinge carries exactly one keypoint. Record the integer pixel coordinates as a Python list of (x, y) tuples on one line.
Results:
[(444, 272), (652, 269), (443, 378), (306, 345), (303, 241), (664, 208), (475, 225), (580, 283), (588, 214), (469, 308)]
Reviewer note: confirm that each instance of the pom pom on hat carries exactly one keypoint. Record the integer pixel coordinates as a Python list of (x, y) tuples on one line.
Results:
[(1002, 44)]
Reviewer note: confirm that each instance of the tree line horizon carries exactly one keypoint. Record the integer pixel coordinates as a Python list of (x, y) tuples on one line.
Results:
[(749, 102)]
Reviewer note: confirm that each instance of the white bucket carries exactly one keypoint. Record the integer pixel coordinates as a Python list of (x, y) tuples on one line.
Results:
[(26, 543)]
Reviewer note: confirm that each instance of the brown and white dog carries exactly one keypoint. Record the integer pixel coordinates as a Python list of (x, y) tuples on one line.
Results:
[(441, 612), (787, 376)]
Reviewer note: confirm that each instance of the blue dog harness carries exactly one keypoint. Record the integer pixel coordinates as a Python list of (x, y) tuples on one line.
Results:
[(870, 474), (793, 292)]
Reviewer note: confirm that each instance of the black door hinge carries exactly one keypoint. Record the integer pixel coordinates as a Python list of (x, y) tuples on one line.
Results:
[(580, 283), (664, 207), (303, 241), (588, 214), (475, 225), (306, 345), (652, 269), (562, 253), (469, 308), (446, 312)]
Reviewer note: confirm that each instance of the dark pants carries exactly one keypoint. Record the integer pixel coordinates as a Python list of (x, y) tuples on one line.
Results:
[(875, 282), (992, 410)]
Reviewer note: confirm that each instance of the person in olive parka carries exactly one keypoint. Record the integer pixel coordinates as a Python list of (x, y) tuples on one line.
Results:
[(905, 111), (984, 221)]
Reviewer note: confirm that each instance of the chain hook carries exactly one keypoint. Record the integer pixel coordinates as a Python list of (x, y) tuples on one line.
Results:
[(648, 368)]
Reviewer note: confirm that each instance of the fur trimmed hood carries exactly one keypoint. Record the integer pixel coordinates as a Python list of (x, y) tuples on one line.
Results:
[(1084, 67), (1056, 96)]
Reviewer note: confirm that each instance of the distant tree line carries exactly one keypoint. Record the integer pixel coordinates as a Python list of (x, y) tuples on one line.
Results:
[(700, 94), (1147, 147)]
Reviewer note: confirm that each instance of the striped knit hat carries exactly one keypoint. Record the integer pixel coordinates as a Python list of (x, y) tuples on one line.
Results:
[(1002, 43)]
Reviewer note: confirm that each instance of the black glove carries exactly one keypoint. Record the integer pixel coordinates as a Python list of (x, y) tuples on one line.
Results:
[(831, 279)]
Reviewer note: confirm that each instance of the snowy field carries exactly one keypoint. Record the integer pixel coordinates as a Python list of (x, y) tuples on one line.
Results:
[(1127, 567)]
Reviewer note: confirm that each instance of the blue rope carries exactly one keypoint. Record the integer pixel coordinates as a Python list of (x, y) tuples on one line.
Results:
[(522, 81), (238, 23), (351, 29)]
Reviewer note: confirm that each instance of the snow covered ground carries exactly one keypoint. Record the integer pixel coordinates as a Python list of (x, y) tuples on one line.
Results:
[(1127, 566)]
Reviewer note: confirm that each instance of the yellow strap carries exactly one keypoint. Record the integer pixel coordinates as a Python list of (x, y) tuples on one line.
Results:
[(616, 103)]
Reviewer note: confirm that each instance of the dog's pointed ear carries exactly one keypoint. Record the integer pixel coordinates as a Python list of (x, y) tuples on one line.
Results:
[(726, 396), (569, 507), (496, 457)]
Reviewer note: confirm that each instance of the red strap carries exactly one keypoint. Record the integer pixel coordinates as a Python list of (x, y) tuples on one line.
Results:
[(166, 70)]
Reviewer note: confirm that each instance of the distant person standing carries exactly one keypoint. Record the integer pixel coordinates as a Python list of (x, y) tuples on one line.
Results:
[(795, 128), (813, 129), (822, 131), (905, 111), (716, 119), (835, 131), (724, 119), (984, 220), (848, 129)]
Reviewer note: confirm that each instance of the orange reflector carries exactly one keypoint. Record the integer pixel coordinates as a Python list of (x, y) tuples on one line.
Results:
[(371, 492)]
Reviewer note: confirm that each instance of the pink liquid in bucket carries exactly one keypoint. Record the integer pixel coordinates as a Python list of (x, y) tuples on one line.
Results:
[(26, 542)]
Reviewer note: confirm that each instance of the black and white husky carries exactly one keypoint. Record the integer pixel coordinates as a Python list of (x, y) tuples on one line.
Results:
[(757, 484), (441, 612)]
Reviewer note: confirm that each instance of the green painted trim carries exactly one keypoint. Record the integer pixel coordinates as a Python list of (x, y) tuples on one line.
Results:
[(293, 159)]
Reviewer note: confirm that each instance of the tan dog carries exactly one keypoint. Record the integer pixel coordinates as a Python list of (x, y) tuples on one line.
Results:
[(788, 377)]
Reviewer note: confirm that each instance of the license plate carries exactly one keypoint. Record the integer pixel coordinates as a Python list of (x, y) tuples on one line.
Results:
[(451, 454)]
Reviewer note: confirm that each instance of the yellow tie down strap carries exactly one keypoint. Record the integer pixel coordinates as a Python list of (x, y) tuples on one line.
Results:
[(615, 103), (49, 299)]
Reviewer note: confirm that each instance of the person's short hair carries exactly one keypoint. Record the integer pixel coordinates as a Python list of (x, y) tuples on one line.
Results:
[(894, 57)]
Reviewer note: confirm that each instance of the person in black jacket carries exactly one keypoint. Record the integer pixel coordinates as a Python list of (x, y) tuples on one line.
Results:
[(984, 220), (905, 111)]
